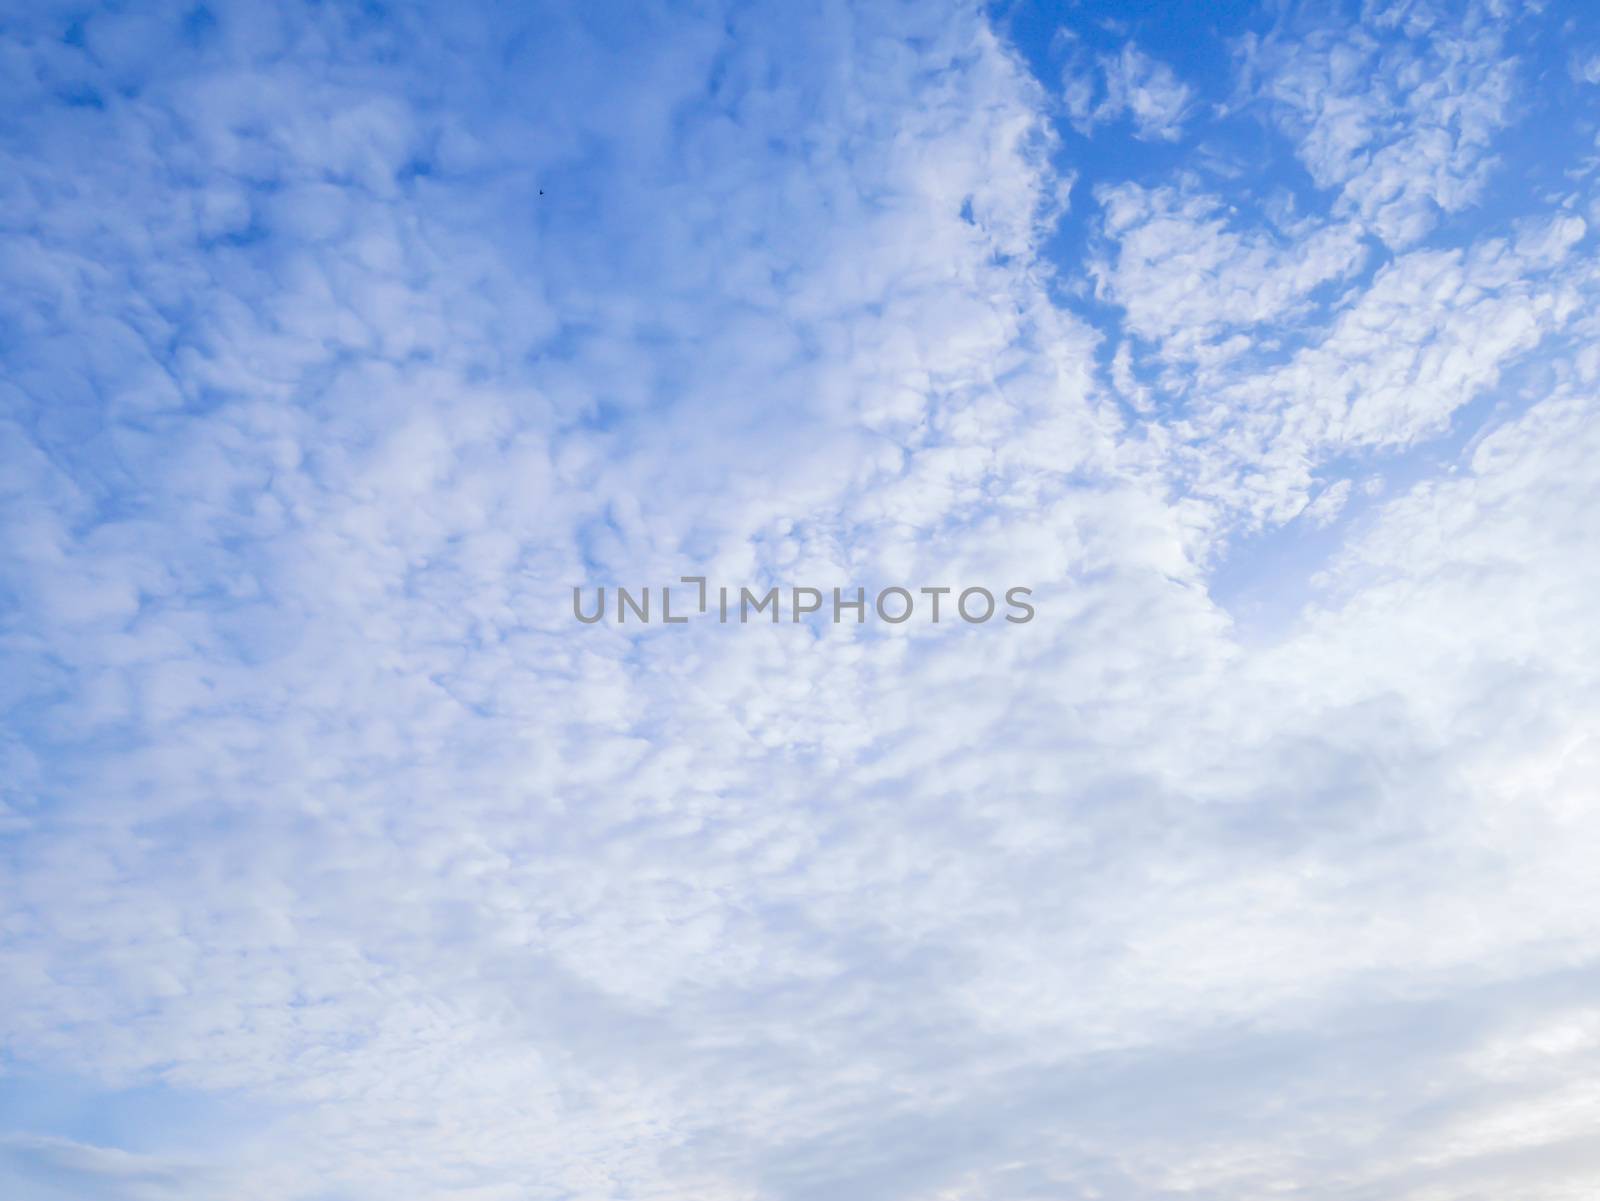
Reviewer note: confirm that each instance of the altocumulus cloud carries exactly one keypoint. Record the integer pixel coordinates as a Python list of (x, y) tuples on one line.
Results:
[(340, 342)]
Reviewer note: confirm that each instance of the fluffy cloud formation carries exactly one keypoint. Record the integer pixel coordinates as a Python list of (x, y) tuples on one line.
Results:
[(1131, 85), (1189, 282), (347, 342), (1398, 113)]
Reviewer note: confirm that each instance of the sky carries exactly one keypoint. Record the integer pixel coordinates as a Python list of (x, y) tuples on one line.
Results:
[(340, 342)]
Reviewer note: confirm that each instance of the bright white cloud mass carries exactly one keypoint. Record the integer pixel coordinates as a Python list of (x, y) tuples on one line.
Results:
[(339, 342)]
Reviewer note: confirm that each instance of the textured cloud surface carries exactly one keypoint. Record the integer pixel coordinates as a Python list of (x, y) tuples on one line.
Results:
[(339, 862)]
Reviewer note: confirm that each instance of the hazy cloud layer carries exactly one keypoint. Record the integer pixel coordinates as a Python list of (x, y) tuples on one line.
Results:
[(340, 862)]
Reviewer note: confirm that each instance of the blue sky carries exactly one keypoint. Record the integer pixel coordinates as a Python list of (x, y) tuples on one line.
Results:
[(338, 343)]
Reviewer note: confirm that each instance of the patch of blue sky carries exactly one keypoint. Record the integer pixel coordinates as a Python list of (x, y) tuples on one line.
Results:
[(1225, 141)]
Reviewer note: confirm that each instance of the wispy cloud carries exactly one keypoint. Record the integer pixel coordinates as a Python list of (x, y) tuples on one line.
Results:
[(343, 343), (1398, 113), (1130, 85)]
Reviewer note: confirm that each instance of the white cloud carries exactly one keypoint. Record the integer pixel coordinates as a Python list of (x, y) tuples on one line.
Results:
[(1188, 273), (50, 1168), (1401, 128), (1135, 86), (1325, 507), (1432, 332), (321, 798)]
